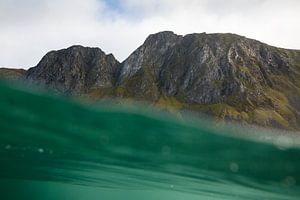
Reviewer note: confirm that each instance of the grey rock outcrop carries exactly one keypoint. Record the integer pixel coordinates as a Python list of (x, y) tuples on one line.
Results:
[(76, 70), (204, 68), (227, 76)]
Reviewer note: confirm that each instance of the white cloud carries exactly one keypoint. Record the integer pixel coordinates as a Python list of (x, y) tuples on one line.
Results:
[(31, 28)]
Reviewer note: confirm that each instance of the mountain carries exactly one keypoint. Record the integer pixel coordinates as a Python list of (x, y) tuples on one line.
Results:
[(76, 70), (12, 74), (224, 75), (227, 76)]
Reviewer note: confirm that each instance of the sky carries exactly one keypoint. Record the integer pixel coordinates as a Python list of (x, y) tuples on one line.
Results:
[(29, 29)]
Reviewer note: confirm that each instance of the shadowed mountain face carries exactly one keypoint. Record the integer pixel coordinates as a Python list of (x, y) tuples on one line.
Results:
[(76, 70), (226, 76)]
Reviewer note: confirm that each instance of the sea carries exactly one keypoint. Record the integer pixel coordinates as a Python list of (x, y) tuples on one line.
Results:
[(57, 148)]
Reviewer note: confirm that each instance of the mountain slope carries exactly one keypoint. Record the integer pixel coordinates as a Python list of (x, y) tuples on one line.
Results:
[(227, 76), (224, 75), (12, 74), (76, 70)]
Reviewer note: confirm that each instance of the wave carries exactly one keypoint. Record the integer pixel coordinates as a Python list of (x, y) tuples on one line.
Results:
[(49, 141)]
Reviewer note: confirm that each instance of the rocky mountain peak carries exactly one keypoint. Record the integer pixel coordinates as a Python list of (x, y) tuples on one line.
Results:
[(226, 76), (153, 49), (162, 37), (222, 74), (76, 69)]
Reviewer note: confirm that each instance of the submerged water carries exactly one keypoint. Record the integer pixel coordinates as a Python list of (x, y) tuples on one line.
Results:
[(52, 148)]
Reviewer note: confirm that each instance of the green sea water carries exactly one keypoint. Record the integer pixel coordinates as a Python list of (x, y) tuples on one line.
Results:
[(55, 148)]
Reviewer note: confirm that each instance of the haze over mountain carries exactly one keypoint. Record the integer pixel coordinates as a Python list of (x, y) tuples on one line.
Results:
[(227, 76)]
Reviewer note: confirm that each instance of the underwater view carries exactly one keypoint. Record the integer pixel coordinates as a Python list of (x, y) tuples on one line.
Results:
[(55, 148), (149, 100)]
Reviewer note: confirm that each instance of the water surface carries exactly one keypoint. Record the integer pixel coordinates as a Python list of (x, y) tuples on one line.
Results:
[(53, 148)]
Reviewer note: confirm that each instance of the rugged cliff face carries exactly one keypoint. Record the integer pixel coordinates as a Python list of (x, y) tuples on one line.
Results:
[(76, 70), (226, 76)]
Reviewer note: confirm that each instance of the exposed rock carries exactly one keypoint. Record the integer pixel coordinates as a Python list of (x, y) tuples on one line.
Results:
[(151, 53), (225, 75), (76, 70), (228, 76)]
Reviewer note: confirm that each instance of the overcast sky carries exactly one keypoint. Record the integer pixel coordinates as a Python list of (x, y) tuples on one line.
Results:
[(31, 28)]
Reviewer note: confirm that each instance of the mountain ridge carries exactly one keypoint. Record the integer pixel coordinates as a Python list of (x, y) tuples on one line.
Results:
[(227, 76)]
